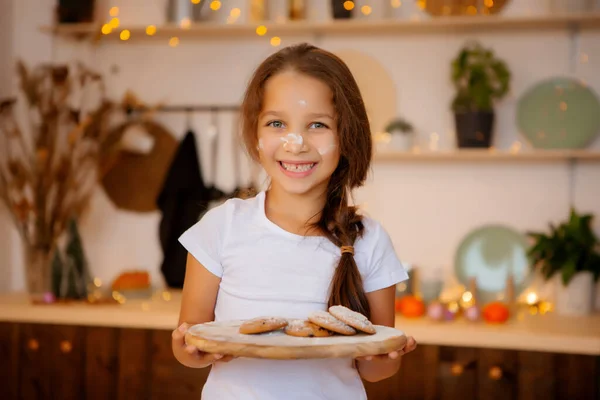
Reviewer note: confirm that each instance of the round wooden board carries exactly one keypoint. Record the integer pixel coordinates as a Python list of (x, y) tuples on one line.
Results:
[(224, 338)]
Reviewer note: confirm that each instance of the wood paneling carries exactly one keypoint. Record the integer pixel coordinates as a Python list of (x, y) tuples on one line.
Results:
[(9, 361), (101, 363), (497, 374), (134, 364)]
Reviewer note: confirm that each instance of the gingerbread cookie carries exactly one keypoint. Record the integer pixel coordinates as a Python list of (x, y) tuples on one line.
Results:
[(328, 321), (262, 325), (353, 318), (302, 328)]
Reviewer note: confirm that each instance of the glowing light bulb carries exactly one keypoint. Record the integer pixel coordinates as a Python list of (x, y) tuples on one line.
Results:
[(125, 35), (106, 29), (261, 30), (114, 11), (275, 41), (472, 10), (174, 41), (396, 3), (235, 12), (215, 5), (114, 23), (366, 10), (185, 23), (489, 3), (348, 5), (196, 1), (151, 30)]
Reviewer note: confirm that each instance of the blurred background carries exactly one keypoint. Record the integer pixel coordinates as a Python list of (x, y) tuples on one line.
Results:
[(118, 130)]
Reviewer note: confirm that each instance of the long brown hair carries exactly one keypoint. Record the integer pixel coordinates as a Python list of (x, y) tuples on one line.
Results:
[(338, 221)]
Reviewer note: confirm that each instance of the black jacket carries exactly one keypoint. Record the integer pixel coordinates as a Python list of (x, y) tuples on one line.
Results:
[(182, 200)]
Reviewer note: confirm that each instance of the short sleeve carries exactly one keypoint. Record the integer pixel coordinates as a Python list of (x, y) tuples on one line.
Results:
[(383, 268), (204, 240)]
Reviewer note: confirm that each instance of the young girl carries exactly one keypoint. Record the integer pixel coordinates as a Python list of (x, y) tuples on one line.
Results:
[(298, 247)]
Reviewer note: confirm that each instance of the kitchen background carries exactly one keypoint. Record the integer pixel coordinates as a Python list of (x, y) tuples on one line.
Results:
[(428, 205)]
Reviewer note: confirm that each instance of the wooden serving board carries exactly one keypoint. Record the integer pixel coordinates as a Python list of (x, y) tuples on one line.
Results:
[(224, 338)]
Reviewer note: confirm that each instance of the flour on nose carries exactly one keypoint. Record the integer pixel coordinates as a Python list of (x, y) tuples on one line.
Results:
[(292, 138)]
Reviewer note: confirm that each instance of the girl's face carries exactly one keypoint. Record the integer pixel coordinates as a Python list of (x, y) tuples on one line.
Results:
[(297, 135)]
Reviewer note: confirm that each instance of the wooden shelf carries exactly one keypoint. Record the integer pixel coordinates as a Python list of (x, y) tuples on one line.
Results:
[(337, 27), (488, 155)]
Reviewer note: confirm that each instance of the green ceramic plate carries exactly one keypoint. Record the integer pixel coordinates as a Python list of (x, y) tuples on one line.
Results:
[(559, 113), (489, 253)]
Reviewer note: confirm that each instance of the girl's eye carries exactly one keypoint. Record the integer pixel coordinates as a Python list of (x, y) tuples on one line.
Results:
[(318, 125), (275, 124)]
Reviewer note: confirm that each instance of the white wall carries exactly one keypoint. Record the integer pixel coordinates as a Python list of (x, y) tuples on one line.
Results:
[(427, 208)]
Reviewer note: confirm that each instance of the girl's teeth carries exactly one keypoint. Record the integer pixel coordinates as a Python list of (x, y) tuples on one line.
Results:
[(297, 167)]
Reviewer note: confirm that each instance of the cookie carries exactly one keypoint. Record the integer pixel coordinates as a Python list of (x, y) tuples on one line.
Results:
[(353, 318), (262, 325), (302, 328), (328, 321)]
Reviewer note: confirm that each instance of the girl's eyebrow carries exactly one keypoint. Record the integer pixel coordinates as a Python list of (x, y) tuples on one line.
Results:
[(270, 112), (320, 115)]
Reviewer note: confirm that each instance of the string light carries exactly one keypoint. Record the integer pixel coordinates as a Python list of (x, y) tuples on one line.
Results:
[(114, 12), (215, 5), (472, 10), (174, 41), (396, 3), (261, 30), (421, 4), (489, 3), (235, 12), (106, 29), (185, 23), (275, 41), (125, 35), (114, 23), (196, 1), (348, 5), (151, 30), (366, 10)]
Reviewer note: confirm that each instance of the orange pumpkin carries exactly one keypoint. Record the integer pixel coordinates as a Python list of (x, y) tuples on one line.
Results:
[(410, 306), (496, 313)]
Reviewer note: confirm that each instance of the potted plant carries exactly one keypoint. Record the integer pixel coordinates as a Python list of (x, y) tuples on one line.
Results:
[(480, 79), (401, 134), (572, 251)]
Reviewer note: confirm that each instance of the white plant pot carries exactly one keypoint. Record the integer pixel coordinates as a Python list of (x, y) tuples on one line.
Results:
[(401, 141), (577, 298)]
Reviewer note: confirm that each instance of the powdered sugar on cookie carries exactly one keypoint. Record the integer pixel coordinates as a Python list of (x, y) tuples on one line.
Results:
[(352, 318), (328, 321)]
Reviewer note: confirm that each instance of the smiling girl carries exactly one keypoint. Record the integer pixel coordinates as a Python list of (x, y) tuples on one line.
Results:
[(299, 246)]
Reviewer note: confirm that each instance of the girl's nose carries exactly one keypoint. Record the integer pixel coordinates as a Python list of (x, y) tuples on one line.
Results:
[(294, 143)]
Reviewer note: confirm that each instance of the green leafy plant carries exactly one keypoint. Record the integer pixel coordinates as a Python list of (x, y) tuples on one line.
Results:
[(568, 248), (399, 125), (479, 79)]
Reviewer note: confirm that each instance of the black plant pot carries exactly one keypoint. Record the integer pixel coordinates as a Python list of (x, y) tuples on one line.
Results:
[(75, 11), (474, 129), (339, 12)]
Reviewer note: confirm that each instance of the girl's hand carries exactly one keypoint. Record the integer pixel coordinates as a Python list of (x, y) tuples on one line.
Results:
[(194, 358), (410, 345)]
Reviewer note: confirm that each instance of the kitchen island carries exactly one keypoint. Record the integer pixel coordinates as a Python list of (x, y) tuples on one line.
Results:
[(118, 351)]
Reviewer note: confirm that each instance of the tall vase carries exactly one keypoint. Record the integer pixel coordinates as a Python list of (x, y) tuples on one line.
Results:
[(38, 262)]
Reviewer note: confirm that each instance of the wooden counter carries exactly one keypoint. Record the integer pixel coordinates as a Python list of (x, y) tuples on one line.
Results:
[(548, 333), (124, 352)]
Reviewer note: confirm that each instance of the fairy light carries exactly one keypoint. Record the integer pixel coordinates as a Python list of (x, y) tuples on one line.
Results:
[(106, 29), (215, 5), (196, 1), (97, 282), (114, 12), (421, 4), (275, 41), (151, 30), (235, 12), (185, 23), (261, 30), (174, 41), (366, 10), (489, 3), (125, 35), (114, 23), (396, 3), (348, 5), (563, 106), (472, 10)]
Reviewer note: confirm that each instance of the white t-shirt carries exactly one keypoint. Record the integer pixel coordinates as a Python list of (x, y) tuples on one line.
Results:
[(267, 271)]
